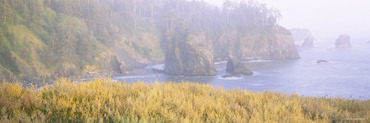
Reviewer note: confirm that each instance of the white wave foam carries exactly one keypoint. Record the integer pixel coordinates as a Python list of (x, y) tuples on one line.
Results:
[(258, 61), (255, 73), (231, 78)]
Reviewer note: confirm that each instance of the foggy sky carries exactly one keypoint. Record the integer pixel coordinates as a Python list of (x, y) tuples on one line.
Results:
[(325, 18)]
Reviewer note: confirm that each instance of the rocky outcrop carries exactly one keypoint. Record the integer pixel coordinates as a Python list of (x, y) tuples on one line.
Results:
[(308, 43), (189, 59), (275, 45), (118, 66), (321, 61), (343, 41), (281, 46), (236, 67)]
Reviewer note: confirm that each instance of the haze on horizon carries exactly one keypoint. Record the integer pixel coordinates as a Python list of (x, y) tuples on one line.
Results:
[(326, 19)]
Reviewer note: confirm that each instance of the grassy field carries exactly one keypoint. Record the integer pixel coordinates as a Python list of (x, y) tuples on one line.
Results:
[(102, 100)]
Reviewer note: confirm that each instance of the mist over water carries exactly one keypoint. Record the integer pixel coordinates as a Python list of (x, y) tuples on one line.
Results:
[(165, 60), (326, 19), (346, 74)]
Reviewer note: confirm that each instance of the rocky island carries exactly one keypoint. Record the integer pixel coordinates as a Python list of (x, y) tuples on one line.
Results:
[(235, 67), (343, 41), (308, 43)]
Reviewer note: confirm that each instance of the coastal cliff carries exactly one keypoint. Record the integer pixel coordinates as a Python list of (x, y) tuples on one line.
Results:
[(185, 57), (277, 45)]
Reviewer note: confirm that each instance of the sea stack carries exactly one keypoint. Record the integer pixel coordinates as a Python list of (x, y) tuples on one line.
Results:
[(237, 67), (308, 43), (343, 41), (186, 58)]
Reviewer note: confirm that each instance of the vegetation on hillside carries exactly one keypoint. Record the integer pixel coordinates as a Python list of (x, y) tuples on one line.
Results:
[(42, 39), (45, 39), (104, 100)]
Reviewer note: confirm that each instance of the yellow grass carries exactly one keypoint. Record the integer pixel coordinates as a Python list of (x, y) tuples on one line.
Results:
[(102, 100)]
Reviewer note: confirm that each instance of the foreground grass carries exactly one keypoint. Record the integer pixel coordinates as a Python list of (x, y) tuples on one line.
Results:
[(102, 100)]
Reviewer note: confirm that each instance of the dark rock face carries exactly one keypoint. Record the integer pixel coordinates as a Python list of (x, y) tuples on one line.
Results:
[(343, 41), (321, 61), (236, 67), (308, 43), (118, 66), (185, 58)]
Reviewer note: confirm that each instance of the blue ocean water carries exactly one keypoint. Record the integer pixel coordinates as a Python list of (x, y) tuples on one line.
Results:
[(346, 74)]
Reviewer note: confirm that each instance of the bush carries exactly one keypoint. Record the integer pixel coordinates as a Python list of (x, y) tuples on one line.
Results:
[(102, 100)]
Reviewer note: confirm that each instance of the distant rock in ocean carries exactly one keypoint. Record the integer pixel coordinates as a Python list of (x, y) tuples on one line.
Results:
[(308, 43), (236, 67), (343, 41), (321, 61)]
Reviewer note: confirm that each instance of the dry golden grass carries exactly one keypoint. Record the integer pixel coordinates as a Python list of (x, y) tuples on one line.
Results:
[(102, 100)]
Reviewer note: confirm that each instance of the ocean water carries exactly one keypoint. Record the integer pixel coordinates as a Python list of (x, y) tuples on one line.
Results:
[(346, 74)]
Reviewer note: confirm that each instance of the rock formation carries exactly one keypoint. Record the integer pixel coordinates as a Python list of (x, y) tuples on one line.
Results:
[(118, 65), (308, 43), (343, 41), (236, 67), (321, 61), (186, 58), (276, 45)]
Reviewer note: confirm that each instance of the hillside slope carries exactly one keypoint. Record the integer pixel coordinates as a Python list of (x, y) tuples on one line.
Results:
[(102, 100), (46, 39)]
